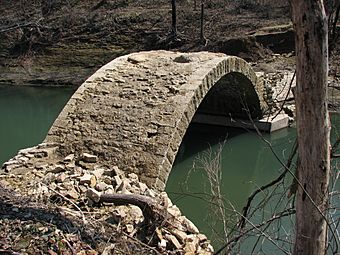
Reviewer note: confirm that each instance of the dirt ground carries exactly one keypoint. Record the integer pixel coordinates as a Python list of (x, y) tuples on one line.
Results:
[(62, 43), (31, 227)]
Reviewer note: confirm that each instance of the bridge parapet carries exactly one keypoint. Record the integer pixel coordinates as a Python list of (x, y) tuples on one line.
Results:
[(134, 111)]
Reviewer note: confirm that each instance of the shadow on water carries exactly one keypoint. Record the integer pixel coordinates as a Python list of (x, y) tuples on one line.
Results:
[(200, 137)]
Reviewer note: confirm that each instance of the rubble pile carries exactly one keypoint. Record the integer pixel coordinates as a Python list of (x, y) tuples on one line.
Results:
[(279, 88), (76, 181)]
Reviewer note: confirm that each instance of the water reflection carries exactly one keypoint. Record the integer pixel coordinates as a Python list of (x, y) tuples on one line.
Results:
[(26, 115), (247, 163)]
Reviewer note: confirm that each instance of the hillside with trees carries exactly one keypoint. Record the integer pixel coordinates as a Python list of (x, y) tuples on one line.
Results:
[(50, 41)]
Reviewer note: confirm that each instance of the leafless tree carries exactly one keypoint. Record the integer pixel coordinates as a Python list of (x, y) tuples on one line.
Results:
[(202, 36), (173, 18), (313, 126)]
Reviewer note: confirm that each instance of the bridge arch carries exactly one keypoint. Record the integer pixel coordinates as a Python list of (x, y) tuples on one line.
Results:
[(134, 111)]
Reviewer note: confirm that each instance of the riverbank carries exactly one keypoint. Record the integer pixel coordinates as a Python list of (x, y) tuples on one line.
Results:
[(63, 43)]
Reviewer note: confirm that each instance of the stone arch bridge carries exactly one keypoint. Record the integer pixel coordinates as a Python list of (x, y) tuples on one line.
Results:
[(134, 111)]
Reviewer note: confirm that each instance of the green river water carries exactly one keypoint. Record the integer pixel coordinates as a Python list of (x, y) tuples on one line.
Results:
[(27, 113)]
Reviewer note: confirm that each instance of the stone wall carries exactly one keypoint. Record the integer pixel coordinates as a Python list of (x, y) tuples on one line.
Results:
[(134, 111)]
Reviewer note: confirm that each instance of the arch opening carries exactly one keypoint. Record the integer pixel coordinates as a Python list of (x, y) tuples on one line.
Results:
[(234, 96)]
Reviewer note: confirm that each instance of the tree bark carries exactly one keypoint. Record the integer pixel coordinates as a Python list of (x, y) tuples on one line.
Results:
[(313, 126), (148, 205), (334, 21), (174, 18), (202, 37)]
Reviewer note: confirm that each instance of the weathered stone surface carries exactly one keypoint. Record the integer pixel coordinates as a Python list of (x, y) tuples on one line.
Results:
[(174, 211), (133, 112), (191, 228), (136, 214), (142, 187), (180, 235), (69, 158), (133, 177), (89, 180), (118, 214), (61, 177), (101, 186), (88, 158), (124, 187), (117, 181), (162, 244), (190, 248), (98, 172), (129, 228), (173, 240), (72, 194), (109, 249), (57, 169)]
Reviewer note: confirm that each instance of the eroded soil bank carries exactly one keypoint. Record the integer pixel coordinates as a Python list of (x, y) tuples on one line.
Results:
[(62, 43)]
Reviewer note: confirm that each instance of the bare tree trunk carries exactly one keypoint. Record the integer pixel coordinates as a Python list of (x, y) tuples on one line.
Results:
[(334, 19), (313, 126), (202, 37), (174, 18)]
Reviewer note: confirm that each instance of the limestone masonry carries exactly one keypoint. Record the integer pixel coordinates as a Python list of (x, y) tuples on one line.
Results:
[(134, 111), (122, 129)]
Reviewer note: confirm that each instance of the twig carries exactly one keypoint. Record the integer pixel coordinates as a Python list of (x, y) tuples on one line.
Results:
[(13, 27), (286, 97), (278, 179), (8, 252), (295, 178), (68, 244), (68, 200), (285, 213), (141, 243)]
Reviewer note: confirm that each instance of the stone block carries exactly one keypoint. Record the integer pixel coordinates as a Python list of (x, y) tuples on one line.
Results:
[(57, 169), (88, 179), (89, 158)]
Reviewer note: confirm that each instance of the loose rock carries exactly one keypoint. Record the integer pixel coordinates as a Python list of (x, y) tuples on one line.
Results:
[(88, 179), (88, 158)]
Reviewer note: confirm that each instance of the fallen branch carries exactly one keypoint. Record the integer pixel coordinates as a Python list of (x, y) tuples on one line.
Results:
[(27, 24), (148, 205)]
